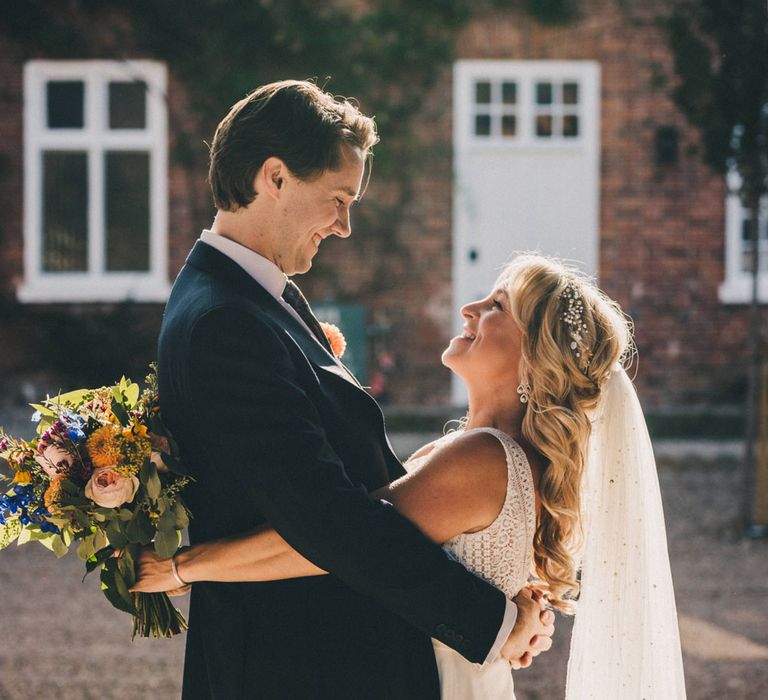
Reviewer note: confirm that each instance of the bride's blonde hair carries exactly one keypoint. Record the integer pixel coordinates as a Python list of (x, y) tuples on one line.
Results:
[(572, 335)]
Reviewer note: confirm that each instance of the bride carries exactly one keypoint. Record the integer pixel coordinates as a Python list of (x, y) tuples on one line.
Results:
[(549, 482)]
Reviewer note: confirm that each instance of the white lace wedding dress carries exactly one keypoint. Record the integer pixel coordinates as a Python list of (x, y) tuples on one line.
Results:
[(501, 554)]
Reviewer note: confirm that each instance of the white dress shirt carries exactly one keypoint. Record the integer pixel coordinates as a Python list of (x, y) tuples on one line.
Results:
[(264, 271), (273, 279)]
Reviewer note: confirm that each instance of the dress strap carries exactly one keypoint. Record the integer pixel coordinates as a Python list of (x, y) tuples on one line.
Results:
[(520, 478)]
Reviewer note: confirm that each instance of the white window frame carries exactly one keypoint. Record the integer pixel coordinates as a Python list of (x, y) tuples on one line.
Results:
[(737, 286), (95, 138), (526, 74)]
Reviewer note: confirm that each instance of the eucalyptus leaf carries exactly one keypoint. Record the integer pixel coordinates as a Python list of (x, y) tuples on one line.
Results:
[(47, 542), (181, 514), (131, 394), (71, 398), (59, 547), (87, 548), (9, 532), (140, 529), (166, 543), (167, 521), (127, 567), (69, 487), (151, 480), (99, 539), (120, 413), (98, 559), (114, 588), (44, 410), (82, 519), (117, 538), (35, 534), (122, 588)]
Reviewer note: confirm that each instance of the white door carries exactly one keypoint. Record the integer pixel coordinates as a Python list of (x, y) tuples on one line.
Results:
[(527, 168)]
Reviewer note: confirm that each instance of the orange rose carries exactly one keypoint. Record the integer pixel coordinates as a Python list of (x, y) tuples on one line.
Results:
[(335, 338)]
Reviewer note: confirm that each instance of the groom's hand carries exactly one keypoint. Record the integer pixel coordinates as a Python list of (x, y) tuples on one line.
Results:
[(154, 574), (532, 632)]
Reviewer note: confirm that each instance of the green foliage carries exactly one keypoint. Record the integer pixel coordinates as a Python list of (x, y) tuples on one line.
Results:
[(720, 50), (9, 533)]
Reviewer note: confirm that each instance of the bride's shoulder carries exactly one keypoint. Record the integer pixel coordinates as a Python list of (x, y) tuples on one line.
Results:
[(476, 454)]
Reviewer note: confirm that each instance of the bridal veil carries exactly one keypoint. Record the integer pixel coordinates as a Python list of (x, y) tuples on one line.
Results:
[(625, 643)]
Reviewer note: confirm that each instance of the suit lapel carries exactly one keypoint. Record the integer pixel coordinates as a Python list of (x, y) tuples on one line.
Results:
[(228, 272)]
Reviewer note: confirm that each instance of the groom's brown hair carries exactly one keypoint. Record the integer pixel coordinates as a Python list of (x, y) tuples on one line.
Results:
[(293, 120)]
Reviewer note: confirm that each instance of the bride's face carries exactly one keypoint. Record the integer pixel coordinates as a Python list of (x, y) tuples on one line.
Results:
[(489, 347)]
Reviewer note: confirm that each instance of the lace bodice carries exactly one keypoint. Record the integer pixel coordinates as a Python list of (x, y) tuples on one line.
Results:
[(501, 553)]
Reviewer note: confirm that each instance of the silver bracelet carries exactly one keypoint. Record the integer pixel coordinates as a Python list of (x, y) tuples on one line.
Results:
[(175, 572)]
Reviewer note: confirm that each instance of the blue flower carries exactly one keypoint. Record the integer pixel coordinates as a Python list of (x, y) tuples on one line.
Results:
[(75, 434), (45, 526), (74, 425)]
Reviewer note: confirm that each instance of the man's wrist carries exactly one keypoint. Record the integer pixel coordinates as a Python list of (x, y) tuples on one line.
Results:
[(180, 567)]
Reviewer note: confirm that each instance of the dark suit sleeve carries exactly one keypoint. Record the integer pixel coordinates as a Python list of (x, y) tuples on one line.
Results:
[(266, 439)]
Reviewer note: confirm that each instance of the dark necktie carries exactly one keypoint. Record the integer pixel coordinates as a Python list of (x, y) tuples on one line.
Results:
[(293, 297)]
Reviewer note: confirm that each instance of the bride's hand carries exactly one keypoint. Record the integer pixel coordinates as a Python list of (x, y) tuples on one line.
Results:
[(532, 632), (154, 574)]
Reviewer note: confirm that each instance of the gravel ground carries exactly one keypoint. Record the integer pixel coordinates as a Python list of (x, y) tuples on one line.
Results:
[(62, 640)]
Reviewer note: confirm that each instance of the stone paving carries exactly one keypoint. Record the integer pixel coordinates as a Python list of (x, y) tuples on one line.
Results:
[(61, 640)]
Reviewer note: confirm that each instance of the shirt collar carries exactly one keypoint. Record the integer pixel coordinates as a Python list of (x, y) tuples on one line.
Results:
[(264, 271)]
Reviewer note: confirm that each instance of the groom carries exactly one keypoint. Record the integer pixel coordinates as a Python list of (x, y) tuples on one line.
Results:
[(273, 428)]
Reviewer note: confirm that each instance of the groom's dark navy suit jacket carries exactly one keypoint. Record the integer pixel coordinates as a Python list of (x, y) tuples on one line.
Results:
[(273, 429)]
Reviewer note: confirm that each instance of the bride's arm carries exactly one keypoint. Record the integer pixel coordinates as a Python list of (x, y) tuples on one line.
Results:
[(460, 488), (259, 555)]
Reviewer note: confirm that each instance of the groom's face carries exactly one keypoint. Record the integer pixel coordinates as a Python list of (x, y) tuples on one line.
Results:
[(312, 210)]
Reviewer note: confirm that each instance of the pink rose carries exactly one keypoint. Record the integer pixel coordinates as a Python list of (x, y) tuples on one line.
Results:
[(109, 488), (54, 459)]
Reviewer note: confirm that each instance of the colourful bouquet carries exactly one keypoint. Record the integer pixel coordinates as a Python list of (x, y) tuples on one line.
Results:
[(98, 475)]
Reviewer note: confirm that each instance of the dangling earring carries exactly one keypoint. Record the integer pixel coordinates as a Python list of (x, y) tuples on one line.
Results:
[(525, 392)]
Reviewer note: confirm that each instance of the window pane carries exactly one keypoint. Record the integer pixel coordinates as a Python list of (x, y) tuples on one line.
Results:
[(127, 105), (482, 93), (570, 93), (509, 93), (544, 125), (127, 211), (483, 125), (544, 93), (65, 211), (508, 125), (65, 104), (570, 126)]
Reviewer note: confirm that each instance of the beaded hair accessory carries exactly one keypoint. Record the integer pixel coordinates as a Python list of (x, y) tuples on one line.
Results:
[(573, 317)]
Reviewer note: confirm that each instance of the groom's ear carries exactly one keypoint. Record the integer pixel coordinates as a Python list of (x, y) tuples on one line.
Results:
[(271, 177)]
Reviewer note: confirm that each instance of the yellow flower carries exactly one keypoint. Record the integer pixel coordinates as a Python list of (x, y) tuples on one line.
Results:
[(52, 496), (103, 446), (22, 477), (136, 429)]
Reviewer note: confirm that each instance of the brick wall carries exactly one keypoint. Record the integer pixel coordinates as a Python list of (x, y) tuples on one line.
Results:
[(662, 237), (661, 226)]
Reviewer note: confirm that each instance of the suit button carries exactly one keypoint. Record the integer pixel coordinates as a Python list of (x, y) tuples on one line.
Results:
[(459, 638), (441, 628)]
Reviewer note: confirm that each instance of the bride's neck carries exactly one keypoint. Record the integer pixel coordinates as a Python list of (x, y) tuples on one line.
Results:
[(495, 410)]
